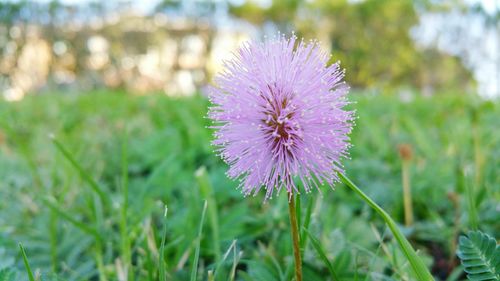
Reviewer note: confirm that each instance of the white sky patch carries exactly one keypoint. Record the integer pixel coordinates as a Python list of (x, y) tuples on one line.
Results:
[(490, 6), (469, 37)]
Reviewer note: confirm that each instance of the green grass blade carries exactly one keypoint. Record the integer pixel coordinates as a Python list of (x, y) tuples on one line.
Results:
[(418, 266), (211, 276), (85, 176), (26, 263), (473, 216), (305, 226), (53, 240), (317, 246), (207, 192), (224, 257), (125, 240), (84, 227), (194, 267), (236, 259), (161, 262), (298, 212)]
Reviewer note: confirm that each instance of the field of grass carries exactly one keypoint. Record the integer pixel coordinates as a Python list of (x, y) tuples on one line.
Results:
[(84, 181)]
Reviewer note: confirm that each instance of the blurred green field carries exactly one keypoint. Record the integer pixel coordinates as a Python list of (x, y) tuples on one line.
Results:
[(153, 148)]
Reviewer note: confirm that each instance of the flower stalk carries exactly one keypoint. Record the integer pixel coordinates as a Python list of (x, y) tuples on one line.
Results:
[(295, 238), (405, 152)]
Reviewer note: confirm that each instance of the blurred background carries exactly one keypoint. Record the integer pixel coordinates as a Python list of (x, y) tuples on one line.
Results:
[(175, 47), (118, 85)]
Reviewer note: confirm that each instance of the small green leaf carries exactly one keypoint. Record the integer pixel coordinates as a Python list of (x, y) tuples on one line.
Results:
[(480, 256)]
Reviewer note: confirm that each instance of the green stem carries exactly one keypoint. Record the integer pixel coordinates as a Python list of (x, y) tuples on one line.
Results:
[(473, 216), (125, 240), (407, 201), (100, 261), (162, 269), (421, 271), (295, 238), (53, 240)]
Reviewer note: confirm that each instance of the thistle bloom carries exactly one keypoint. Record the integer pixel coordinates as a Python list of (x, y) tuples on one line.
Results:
[(278, 114)]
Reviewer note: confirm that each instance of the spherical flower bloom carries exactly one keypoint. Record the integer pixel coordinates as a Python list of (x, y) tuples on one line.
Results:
[(279, 118)]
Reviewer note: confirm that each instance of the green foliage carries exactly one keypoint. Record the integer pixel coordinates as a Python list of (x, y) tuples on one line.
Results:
[(280, 12), (50, 206), (8, 274), (480, 256), (206, 190), (317, 246), (416, 263), (80, 170)]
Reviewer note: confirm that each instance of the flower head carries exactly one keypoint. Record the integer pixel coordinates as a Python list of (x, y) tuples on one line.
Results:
[(279, 118)]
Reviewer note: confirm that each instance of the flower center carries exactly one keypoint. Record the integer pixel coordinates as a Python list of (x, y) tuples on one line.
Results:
[(279, 123)]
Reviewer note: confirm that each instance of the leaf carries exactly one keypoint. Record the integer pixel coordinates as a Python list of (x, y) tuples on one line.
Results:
[(416, 263), (85, 175), (7, 274), (50, 202), (26, 263), (305, 226), (317, 246), (480, 256), (259, 271), (236, 257)]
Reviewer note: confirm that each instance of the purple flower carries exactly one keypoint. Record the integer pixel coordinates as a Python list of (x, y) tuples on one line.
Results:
[(279, 118)]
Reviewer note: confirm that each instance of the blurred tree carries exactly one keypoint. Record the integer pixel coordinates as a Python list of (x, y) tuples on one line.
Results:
[(11, 11), (191, 8), (281, 13), (371, 38)]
